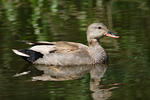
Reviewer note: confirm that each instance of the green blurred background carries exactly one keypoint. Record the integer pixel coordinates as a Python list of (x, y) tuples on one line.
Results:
[(67, 20)]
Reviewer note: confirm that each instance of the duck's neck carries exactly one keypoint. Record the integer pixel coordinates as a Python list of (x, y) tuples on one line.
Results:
[(93, 42)]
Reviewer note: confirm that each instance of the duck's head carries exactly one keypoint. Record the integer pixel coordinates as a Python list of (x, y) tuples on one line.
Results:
[(96, 31)]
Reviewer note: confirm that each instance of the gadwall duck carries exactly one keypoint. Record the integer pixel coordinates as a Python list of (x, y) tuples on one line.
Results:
[(69, 53)]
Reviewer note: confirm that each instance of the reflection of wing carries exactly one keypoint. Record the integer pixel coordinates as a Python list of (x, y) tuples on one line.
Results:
[(59, 73)]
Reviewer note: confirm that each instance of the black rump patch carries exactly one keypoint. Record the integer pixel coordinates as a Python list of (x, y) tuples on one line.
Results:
[(34, 55)]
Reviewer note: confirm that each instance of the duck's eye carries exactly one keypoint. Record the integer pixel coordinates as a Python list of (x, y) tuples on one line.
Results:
[(99, 27)]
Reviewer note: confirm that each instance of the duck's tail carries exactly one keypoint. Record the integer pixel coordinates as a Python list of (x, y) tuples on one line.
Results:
[(28, 55), (17, 52)]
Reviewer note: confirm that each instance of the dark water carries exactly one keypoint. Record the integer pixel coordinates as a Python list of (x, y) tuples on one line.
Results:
[(128, 74)]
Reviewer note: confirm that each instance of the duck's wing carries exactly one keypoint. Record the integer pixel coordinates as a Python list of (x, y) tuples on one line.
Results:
[(57, 47), (38, 43), (61, 46), (56, 53)]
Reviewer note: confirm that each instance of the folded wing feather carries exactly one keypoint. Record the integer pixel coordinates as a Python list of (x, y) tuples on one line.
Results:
[(58, 47)]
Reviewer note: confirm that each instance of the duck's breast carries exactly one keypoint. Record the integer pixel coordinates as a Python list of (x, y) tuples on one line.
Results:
[(98, 54)]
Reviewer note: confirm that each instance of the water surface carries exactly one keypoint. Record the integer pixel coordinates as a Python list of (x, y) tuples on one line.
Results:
[(67, 20)]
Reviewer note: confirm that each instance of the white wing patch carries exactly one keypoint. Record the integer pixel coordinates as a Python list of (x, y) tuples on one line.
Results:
[(20, 53), (44, 49)]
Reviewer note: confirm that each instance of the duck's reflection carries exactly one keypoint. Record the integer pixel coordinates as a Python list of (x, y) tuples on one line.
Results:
[(96, 73), (62, 73), (59, 73)]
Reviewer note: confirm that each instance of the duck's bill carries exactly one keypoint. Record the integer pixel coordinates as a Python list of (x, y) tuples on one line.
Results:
[(109, 34)]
